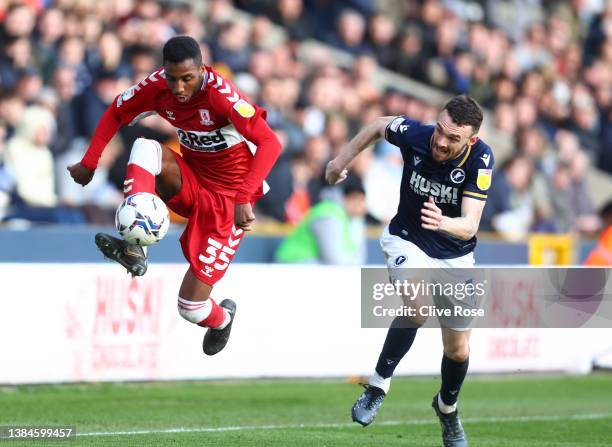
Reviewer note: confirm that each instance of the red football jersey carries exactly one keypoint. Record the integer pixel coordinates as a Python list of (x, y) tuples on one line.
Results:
[(218, 129)]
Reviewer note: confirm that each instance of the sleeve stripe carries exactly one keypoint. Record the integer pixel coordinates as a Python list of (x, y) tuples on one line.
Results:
[(475, 194)]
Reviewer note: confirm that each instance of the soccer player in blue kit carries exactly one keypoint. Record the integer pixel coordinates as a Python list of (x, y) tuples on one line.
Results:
[(446, 175)]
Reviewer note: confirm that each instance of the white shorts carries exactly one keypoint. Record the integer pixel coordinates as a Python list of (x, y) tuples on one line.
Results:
[(400, 253), (403, 257)]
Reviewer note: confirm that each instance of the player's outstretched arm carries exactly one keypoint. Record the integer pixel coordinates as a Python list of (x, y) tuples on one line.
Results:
[(109, 124), (464, 227), (336, 169)]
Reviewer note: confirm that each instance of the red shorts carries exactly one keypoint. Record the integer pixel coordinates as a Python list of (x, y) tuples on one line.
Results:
[(210, 239)]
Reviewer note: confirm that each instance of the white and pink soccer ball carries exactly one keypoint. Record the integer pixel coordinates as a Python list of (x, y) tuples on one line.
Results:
[(142, 219)]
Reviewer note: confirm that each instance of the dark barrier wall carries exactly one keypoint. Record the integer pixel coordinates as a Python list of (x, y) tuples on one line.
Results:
[(75, 244)]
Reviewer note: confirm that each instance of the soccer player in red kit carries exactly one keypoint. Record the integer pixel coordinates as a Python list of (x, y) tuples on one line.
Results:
[(228, 149)]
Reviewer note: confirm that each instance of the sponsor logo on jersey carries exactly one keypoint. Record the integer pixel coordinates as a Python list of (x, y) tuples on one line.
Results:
[(441, 193), (244, 109), (416, 160), (483, 181), (170, 115), (400, 260), (205, 117), (457, 175), (213, 141), (202, 141)]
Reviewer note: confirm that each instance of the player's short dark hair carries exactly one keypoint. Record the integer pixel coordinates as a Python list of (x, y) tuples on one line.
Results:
[(464, 110), (181, 48)]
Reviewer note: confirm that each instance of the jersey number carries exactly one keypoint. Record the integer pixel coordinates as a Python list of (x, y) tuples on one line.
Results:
[(217, 256)]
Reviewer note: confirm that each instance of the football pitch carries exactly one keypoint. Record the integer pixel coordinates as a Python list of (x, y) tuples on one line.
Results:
[(496, 411)]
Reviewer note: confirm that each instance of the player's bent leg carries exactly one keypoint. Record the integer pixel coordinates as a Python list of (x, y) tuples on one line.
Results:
[(197, 306), (168, 182), (144, 164), (453, 371), (398, 342)]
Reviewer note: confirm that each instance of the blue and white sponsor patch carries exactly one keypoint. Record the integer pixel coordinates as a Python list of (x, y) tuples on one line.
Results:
[(394, 125)]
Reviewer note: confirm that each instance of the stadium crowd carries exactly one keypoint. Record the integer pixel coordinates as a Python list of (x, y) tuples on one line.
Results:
[(544, 69)]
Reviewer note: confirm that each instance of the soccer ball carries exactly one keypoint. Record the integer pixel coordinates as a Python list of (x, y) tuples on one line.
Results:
[(142, 219)]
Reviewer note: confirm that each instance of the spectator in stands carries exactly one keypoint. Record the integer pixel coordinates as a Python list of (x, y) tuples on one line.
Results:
[(29, 157), (551, 71), (601, 255), (280, 180), (50, 30), (11, 111), (509, 209), (7, 178), (605, 156), (381, 34), (331, 232), (382, 178), (350, 34), (232, 46), (64, 84), (29, 84), (71, 54), (17, 55), (410, 58), (299, 202), (108, 56), (291, 16), (92, 103)]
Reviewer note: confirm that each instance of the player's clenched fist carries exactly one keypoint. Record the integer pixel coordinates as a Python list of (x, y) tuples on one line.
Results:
[(80, 173), (431, 215), (333, 173), (243, 216)]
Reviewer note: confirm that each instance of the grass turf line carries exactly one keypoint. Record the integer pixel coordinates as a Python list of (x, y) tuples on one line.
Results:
[(532, 411)]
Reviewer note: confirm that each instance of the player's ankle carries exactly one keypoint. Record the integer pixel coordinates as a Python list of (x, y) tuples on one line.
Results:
[(444, 408), (380, 382), (226, 320)]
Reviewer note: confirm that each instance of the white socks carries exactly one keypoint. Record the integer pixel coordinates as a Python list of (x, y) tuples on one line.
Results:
[(446, 409), (380, 382)]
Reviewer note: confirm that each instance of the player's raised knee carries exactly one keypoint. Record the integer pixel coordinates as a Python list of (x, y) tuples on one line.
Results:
[(147, 154)]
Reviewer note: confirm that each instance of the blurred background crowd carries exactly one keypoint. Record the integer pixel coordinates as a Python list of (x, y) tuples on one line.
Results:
[(542, 68)]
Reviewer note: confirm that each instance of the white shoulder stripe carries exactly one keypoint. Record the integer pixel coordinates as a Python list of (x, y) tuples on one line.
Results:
[(233, 98), (224, 88), (219, 82)]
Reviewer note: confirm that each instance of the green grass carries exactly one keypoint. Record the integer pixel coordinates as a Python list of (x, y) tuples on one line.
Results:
[(497, 411)]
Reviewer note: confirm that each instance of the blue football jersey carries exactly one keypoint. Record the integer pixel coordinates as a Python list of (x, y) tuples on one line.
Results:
[(468, 175)]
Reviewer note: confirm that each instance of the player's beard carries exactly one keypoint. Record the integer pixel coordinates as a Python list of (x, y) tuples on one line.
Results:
[(445, 155)]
